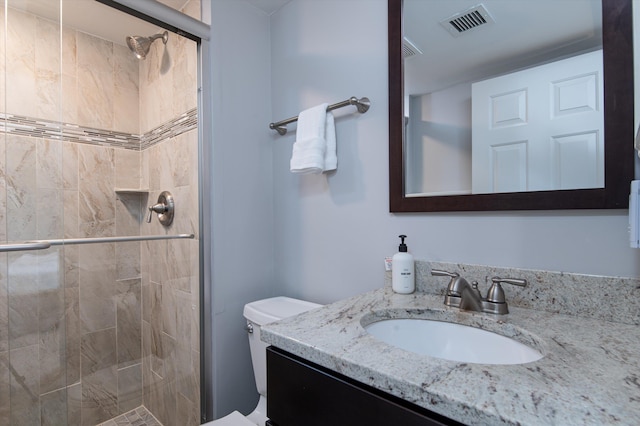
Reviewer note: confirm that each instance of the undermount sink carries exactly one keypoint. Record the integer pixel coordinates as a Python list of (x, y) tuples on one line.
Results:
[(454, 342)]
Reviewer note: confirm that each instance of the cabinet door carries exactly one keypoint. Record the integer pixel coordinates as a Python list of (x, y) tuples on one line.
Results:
[(302, 393)]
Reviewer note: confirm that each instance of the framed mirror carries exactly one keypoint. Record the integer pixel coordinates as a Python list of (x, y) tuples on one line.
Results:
[(513, 186)]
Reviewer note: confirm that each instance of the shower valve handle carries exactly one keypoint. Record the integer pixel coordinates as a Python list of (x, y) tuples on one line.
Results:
[(157, 208), (164, 208)]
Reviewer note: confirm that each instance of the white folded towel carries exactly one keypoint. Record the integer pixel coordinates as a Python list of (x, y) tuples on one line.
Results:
[(330, 155), (315, 148)]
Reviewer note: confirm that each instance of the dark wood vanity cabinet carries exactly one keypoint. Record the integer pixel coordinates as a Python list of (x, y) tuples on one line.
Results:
[(302, 393)]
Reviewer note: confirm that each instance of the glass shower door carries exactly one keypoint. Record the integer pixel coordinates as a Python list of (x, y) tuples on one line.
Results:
[(34, 309)]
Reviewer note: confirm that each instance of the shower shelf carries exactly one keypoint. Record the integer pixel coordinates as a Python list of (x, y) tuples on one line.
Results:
[(132, 191)]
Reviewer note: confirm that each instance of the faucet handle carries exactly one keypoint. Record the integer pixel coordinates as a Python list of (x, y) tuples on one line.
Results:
[(496, 293), (452, 287), (441, 273)]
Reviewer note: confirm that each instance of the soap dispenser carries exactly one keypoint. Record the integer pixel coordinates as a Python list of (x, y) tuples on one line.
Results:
[(403, 270)]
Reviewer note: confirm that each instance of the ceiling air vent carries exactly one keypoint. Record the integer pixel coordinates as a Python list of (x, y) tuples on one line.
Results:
[(409, 49), (462, 22)]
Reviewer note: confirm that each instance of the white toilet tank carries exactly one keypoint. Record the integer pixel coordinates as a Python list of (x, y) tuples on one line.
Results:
[(263, 312)]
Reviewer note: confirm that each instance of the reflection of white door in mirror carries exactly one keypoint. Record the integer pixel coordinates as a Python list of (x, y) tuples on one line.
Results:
[(540, 128)]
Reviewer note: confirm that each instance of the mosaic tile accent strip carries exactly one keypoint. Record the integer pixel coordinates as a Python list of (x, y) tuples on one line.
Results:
[(181, 124), (39, 128)]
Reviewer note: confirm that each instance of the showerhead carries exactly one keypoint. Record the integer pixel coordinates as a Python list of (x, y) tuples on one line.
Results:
[(140, 45)]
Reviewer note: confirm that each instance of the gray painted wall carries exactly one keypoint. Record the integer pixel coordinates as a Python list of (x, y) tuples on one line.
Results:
[(324, 238), (332, 232), (242, 211)]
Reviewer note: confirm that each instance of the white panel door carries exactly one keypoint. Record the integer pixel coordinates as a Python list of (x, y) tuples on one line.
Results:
[(540, 128)]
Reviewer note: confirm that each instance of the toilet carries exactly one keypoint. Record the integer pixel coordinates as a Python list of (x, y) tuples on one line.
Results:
[(258, 314)]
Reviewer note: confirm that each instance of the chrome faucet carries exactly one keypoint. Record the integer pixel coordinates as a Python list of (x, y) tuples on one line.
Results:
[(461, 294)]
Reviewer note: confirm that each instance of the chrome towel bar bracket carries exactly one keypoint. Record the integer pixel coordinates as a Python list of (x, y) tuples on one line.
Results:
[(361, 104)]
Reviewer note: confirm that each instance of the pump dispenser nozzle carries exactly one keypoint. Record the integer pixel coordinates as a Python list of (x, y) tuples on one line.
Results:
[(403, 247)]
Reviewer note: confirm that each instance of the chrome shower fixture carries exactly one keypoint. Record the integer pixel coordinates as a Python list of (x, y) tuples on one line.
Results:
[(140, 45)]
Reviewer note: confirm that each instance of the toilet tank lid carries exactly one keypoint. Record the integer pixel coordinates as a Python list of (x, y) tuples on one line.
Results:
[(276, 308)]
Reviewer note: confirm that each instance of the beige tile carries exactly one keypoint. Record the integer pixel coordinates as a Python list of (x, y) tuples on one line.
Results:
[(129, 322), (49, 166), (144, 169), (71, 223), (127, 168), (128, 260), (70, 165), (20, 83), (185, 76), (48, 69), (179, 264), (98, 351), (49, 213), (48, 95), (73, 334), (23, 299), (2, 55), (95, 82), (52, 339), (157, 261), (129, 214), (193, 8), (69, 52), (97, 287), (99, 376), (47, 44), (169, 311), (129, 388), (24, 384), (4, 305), (96, 191), (187, 412), (3, 190), (5, 389), (146, 360), (74, 405), (185, 375), (53, 408), (162, 395), (126, 100), (99, 396), (71, 266), (183, 319), (69, 99), (20, 175)]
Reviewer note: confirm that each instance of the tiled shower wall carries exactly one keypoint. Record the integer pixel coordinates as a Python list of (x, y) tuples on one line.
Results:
[(72, 349), (170, 280)]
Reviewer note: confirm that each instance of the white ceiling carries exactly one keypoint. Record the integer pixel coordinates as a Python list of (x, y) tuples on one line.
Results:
[(525, 32)]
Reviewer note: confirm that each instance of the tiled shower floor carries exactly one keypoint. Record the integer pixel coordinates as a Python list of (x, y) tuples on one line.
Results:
[(137, 417)]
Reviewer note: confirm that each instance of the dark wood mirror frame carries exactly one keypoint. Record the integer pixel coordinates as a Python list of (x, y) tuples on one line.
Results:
[(617, 36)]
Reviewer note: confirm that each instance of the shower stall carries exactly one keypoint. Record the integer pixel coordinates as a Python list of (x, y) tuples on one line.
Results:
[(99, 309)]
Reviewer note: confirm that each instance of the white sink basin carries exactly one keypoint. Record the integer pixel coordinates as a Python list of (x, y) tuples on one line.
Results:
[(453, 342)]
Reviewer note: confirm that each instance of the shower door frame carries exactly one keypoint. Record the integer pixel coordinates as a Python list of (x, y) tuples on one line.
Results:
[(200, 32)]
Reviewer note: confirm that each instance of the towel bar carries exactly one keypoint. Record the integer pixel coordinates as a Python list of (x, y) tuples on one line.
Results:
[(361, 104)]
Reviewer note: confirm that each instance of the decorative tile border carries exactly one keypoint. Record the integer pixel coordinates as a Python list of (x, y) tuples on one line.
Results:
[(181, 124), (39, 128)]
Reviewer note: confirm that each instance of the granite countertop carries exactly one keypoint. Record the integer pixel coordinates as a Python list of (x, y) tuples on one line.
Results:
[(590, 372)]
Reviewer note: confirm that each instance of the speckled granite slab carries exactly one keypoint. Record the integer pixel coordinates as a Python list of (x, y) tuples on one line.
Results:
[(589, 375), (606, 298)]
